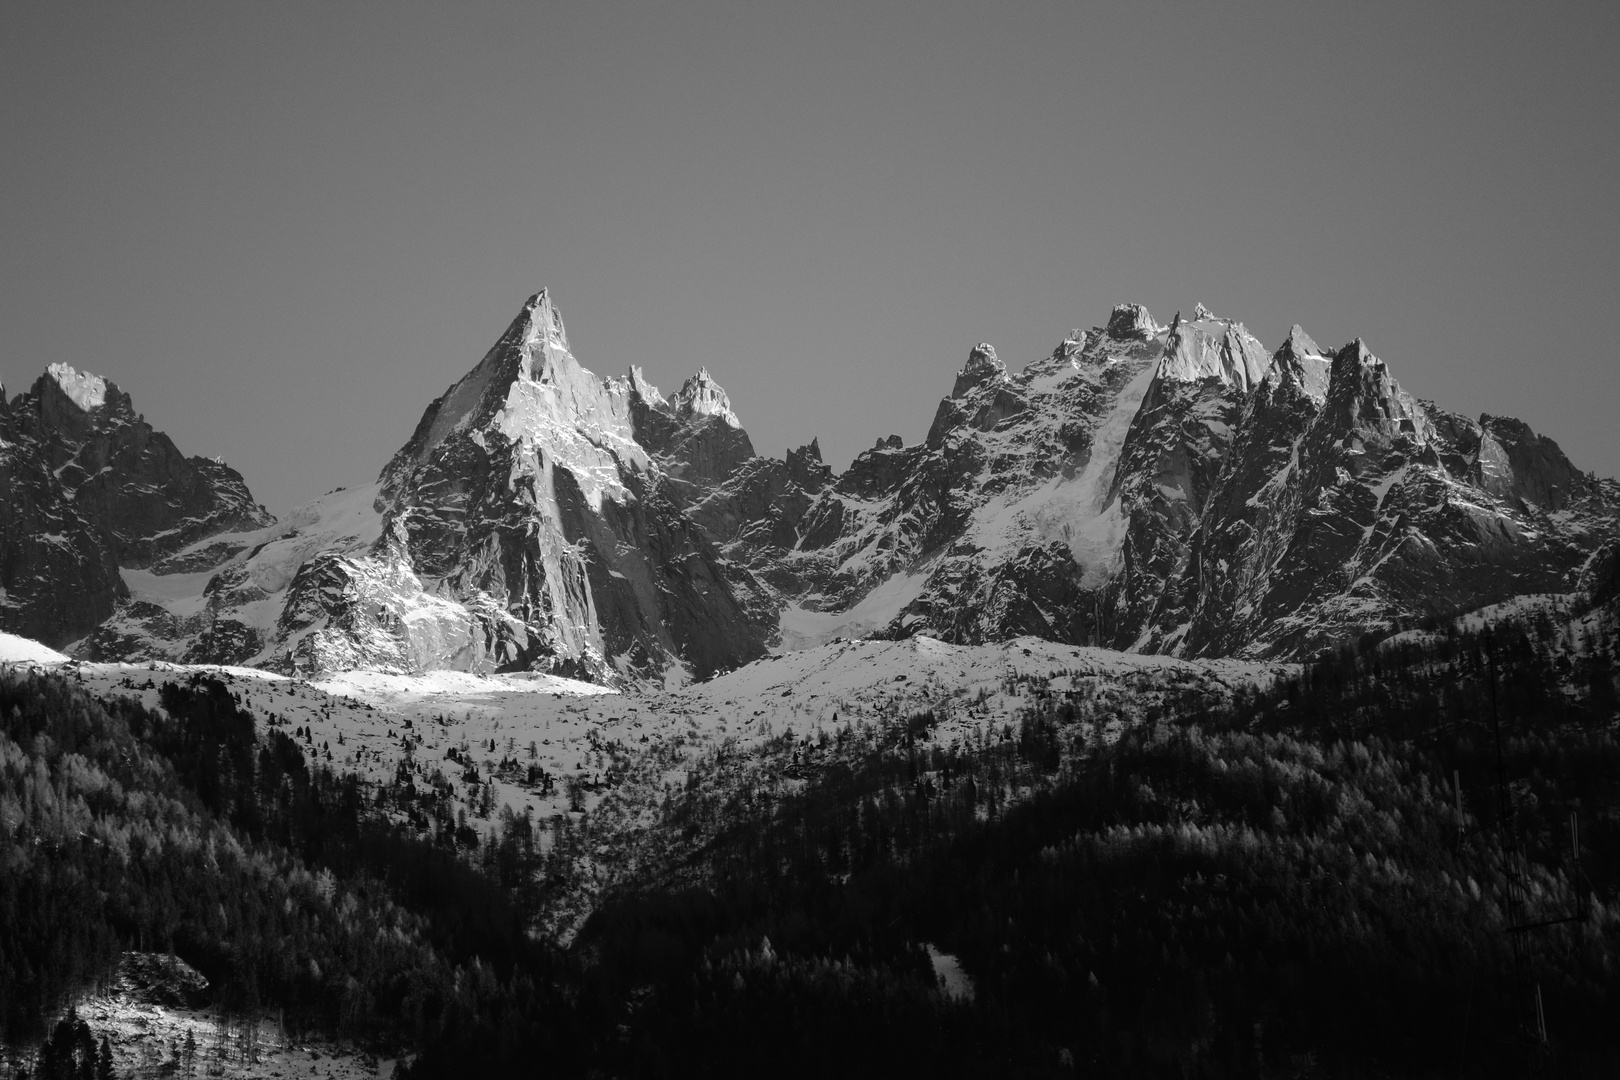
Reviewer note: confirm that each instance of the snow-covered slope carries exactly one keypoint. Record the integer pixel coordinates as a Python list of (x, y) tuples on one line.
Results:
[(221, 599), (966, 686), (21, 650)]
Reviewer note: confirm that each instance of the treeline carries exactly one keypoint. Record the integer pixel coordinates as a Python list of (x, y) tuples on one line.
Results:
[(1280, 886), (1305, 879), (123, 828)]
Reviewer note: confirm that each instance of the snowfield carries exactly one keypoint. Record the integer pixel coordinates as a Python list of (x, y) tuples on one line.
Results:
[(805, 629), (374, 723), (21, 650), (799, 691)]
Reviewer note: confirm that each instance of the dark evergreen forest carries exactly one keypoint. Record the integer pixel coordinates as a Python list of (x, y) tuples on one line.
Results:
[(126, 828), (1321, 878)]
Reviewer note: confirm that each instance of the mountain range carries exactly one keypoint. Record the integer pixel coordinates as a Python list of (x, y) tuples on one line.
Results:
[(1173, 489)]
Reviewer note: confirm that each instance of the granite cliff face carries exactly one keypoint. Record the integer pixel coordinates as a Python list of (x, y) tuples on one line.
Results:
[(1174, 489), (88, 488), (1349, 506), (533, 521), (1178, 489)]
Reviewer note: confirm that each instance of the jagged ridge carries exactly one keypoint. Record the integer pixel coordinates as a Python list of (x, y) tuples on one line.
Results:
[(88, 489), (1173, 489)]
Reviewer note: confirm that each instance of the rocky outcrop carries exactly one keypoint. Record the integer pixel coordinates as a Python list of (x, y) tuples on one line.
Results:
[(695, 436), (1128, 322), (88, 487)]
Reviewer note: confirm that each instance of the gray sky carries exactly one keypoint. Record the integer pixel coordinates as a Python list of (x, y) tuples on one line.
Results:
[(285, 228)]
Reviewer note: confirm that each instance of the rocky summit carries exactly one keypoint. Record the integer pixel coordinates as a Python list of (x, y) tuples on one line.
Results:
[(525, 524), (89, 492), (1175, 489)]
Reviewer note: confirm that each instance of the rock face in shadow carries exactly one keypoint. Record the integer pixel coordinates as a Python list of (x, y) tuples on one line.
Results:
[(88, 487)]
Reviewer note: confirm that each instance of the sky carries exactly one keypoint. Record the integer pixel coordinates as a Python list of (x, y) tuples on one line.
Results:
[(286, 228)]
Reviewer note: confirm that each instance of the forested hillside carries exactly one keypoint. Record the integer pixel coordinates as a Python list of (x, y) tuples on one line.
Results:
[(1311, 879), (1287, 886), (122, 828)]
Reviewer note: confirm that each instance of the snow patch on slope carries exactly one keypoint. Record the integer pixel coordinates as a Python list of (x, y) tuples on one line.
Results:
[(250, 587), (181, 594), (953, 979), (1080, 511), (140, 1033), (21, 650), (803, 629), (382, 688), (799, 691)]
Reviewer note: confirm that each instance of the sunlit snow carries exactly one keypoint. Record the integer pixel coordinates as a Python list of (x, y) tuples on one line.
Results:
[(85, 390)]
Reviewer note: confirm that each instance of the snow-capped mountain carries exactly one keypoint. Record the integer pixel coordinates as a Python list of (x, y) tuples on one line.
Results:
[(1178, 489), (1159, 489), (88, 489), (1347, 506), (524, 525)]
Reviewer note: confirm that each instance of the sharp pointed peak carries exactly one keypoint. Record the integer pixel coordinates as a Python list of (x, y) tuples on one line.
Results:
[(810, 451), (1358, 349), (1300, 362), (805, 467), (700, 378), (982, 365), (1131, 321), (700, 395), (1361, 391), (541, 322), (1299, 344), (641, 387), (1354, 360)]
